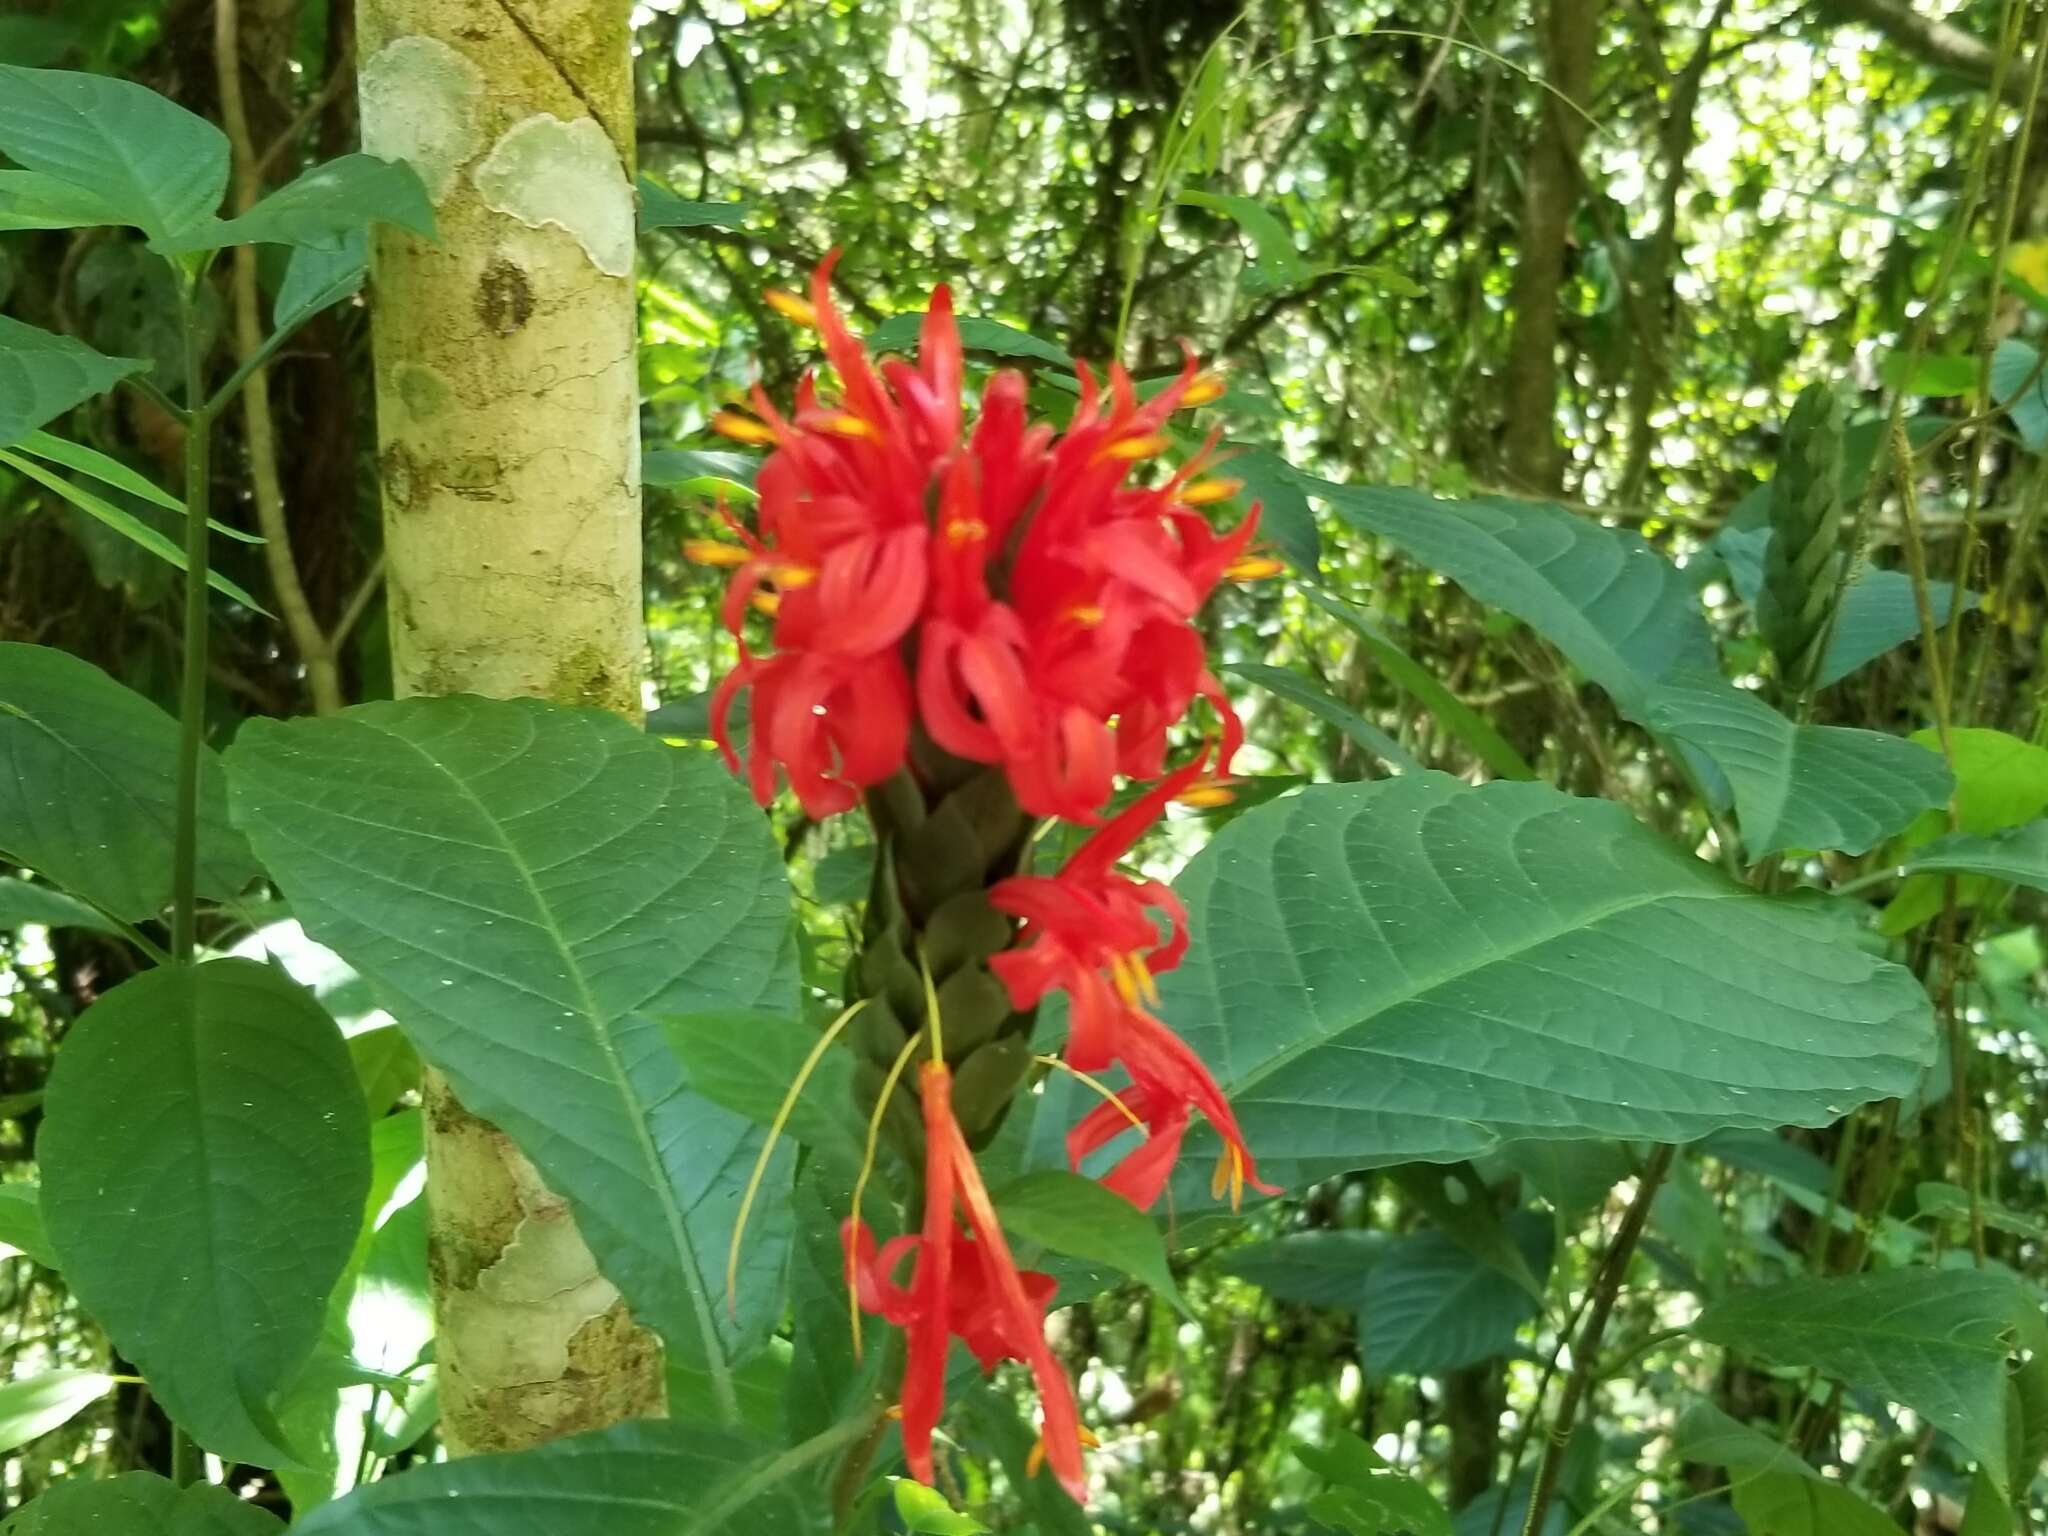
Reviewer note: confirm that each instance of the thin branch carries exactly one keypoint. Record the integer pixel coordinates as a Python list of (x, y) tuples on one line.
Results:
[(323, 678)]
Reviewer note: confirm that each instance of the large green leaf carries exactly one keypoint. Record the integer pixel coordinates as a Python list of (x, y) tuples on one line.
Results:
[(1070, 1215), (30, 200), (322, 207), (1935, 1340), (1365, 1496), (2018, 854), (205, 1223), (2001, 782), (162, 168), (1800, 786), (1878, 610), (1431, 1306), (43, 375), (1286, 521), (1786, 1504), (1417, 970), (35, 1405), (318, 276), (141, 1504), (23, 902), (529, 889), (90, 777), (21, 1224), (1324, 1268), (645, 1479), (1705, 1433), (1623, 614)]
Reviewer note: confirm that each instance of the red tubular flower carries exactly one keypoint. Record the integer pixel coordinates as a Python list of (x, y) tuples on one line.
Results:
[(1089, 931), (964, 1285)]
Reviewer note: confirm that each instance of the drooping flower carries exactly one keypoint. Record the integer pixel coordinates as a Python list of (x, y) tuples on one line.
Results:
[(1091, 932), (964, 1284)]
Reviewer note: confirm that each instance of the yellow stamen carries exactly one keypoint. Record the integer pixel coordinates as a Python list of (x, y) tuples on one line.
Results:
[(1229, 1175), (1120, 969), (1205, 388), (1254, 568), (846, 424), (742, 429), (1092, 1082), (715, 552), (867, 1167), (1204, 794), (765, 602), (1087, 615), (1036, 1459), (792, 307), (966, 530), (790, 577), (775, 1128), (1133, 447), (1147, 987), (1200, 493)]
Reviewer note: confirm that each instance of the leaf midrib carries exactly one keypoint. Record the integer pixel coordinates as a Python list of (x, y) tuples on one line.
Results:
[(700, 1306), (1424, 985)]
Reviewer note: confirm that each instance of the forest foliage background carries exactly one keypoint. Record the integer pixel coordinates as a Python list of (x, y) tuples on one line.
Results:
[(1582, 251)]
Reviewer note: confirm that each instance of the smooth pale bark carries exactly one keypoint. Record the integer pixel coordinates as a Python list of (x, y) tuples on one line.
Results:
[(508, 436)]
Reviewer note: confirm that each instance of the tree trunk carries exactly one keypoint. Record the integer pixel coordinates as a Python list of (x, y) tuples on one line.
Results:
[(508, 434), (1529, 437)]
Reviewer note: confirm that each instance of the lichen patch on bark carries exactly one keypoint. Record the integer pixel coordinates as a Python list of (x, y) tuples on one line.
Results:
[(420, 100), (544, 171)]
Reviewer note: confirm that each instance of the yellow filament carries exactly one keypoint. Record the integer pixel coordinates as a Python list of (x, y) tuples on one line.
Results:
[(1096, 1083), (1253, 568), (867, 1166), (846, 424), (775, 1129), (1205, 388), (1204, 794), (1229, 1175), (765, 602), (966, 530)]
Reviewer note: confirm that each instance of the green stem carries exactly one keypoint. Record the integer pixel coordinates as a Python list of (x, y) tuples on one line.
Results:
[(187, 1465), (743, 1491), (192, 694)]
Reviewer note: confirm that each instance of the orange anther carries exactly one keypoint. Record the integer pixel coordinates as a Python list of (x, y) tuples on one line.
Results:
[(1205, 794), (766, 602), (792, 307), (1205, 388), (1200, 493), (1254, 568), (1134, 447), (715, 552), (742, 429)]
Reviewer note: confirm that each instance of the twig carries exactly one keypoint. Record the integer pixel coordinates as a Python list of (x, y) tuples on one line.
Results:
[(1606, 1287), (316, 650)]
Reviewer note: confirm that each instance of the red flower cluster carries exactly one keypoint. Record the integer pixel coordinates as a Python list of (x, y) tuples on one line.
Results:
[(876, 513), (1012, 592)]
